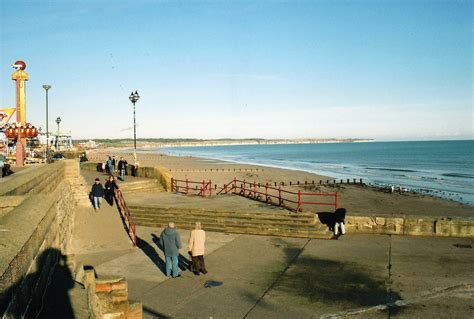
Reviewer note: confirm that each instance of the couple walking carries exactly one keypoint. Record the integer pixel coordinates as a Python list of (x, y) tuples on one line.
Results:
[(171, 243)]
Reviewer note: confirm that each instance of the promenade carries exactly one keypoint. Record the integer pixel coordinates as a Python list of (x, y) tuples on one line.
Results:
[(363, 276)]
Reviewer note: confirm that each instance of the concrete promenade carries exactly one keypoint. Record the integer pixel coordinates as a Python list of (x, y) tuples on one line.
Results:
[(359, 276)]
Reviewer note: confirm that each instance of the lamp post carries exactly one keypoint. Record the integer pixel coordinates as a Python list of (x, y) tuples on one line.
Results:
[(46, 87), (58, 120), (134, 98)]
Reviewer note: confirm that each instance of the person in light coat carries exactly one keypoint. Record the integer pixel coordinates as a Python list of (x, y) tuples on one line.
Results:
[(197, 239)]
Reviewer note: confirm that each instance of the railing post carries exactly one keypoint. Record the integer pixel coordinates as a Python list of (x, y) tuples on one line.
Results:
[(279, 195), (337, 200), (187, 185), (210, 188), (235, 184), (203, 187), (254, 190), (172, 184), (266, 192), (299, 201)]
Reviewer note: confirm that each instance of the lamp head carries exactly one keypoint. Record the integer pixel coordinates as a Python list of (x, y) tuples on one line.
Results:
[(46, 87), (58, 120)]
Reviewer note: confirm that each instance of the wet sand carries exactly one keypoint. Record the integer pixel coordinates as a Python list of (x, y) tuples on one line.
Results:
[(357, 199)]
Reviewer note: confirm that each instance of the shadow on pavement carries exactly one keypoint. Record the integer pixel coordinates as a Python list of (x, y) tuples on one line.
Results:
[(332, 282), (151, 253), (154, 313), (183, 262)]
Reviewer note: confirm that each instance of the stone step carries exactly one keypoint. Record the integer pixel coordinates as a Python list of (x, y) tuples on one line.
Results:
[(141, 189), (236, 219), (213, 214), (283, 232), (230, 223)]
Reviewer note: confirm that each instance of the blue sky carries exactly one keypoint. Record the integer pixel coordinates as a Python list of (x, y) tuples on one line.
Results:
[(390, 70)]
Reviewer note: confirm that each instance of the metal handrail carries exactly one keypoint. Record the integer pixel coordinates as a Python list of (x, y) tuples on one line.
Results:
[(126, 216), (253, 190), (203, 188)]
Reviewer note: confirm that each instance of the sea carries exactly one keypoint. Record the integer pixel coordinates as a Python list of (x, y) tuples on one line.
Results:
[(439, 168)]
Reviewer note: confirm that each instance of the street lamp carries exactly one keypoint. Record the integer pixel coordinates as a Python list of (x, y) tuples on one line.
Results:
[(58, 120), (47, 87), (134, 98)]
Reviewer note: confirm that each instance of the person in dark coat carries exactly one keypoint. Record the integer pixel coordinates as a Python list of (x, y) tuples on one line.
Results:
[(122, 167), (171, 243), (97, 192), (110, 187), (339, 217)]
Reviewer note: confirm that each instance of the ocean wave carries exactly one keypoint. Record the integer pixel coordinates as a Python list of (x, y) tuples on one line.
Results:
[(392, 169), (460, 175)]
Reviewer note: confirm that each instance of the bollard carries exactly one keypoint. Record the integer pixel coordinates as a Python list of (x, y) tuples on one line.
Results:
[(334, 182), (290, 183), (361, 181), (298, 182), (275, 184), (306, 182), (313, 181), (215, 186), (320, 182), (327, 181), (282, 183), (347, 181)]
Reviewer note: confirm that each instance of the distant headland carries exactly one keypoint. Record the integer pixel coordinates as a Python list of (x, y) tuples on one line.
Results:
[(186, 142)]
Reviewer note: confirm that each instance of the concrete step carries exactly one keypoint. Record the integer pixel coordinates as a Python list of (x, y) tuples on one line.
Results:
[(223, 213), (317, 232), (230, 223), (236, 219)]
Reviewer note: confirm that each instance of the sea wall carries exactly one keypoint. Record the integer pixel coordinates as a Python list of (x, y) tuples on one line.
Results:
[(161, 174), (35, 234), (411, 225)]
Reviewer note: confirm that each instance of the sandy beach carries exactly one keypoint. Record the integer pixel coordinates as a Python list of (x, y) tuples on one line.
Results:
[(356, 198)]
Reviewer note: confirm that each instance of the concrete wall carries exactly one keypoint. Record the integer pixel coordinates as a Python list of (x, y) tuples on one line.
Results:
[(158, 172), (411, 225), (36, 233)]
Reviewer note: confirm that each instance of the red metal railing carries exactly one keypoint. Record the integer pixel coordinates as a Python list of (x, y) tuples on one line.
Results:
[(126, 216), (258, 191), (191, 187)]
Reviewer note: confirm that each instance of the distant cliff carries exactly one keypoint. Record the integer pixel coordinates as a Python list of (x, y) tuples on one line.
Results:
[(168, 142)]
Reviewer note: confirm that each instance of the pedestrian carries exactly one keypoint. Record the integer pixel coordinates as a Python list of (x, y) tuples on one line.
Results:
[(122, 166), (197, 238), (339, 217), (135, 168), (114, 162), (97, 192), (171, 243), (110, 187), (109, 166)]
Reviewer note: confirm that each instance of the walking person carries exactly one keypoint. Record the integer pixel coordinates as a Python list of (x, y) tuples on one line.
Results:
[(97, 192), (114, 164), (197, 239), (108, 166), (171, 243), (110, 187)]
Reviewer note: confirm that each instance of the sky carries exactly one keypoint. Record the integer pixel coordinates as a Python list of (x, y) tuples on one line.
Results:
[(386, 70)]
